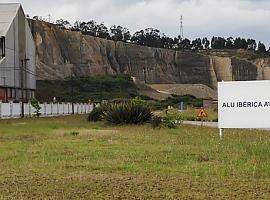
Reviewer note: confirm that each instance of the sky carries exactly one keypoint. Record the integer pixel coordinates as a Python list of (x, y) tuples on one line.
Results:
[(201, 18)]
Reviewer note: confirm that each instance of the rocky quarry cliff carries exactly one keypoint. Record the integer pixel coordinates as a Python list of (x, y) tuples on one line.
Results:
[(64, 53)]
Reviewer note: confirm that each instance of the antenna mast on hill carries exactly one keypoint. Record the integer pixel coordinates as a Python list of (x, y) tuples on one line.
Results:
[(181, 29), (49, 18)]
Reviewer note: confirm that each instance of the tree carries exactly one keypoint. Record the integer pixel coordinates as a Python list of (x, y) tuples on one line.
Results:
[(176, 42), (153, 38), (91, 28), (261, 48), (36, 18), (63, 24), (76, 26), (244, 44), (102, 31), (240, 43), (119, 33), (196, 44), (138, 38), (218, 43), (87, 28), (127, 35), (252, 45), (237, 43), (185, 44), (229, 43), (206, 43), (167, 42)]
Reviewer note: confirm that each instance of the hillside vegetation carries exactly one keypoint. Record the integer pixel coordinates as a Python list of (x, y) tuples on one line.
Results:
[(93, 88), (152, 37)]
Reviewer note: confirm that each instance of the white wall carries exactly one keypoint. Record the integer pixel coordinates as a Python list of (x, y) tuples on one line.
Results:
[(13, 110)]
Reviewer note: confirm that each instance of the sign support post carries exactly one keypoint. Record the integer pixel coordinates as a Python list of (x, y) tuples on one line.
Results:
[(201, 122), (221, 133)]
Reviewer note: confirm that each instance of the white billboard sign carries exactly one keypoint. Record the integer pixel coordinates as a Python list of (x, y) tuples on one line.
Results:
[(244, 104)]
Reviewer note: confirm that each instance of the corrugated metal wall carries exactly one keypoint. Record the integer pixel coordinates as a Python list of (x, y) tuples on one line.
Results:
[(20, 52)]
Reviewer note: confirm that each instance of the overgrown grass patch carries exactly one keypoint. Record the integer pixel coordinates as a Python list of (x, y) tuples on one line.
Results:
[(189, 115), (39, 160)]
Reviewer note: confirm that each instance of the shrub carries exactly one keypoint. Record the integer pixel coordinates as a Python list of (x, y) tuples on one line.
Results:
[(174, 101), (72, 133), (96, 114), (156, 122), (96, 88), (138, 101), (191, 118), (169, 123), (36, 106), (215, 120), (127, 113)]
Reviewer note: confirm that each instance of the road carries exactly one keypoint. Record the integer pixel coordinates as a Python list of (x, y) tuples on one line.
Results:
[(198, 123), (213, 125)]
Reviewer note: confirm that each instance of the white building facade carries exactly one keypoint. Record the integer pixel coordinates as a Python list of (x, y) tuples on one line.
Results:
[(17, 55)]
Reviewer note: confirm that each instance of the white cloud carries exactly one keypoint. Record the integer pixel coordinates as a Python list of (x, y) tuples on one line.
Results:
[(245, 18)]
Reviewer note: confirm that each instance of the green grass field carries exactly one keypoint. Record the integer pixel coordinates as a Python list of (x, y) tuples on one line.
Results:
[(44, 159)]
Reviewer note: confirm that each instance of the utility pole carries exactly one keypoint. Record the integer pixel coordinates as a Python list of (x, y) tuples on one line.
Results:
[(23, 70), (72, 94), (49, 16), (22, 88), (6, 89)]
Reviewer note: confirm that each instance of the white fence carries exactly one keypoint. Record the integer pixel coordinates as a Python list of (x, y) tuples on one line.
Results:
[(14, 110)]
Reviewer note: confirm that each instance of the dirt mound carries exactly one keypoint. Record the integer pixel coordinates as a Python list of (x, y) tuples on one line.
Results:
[(148, 91), (198, 90)]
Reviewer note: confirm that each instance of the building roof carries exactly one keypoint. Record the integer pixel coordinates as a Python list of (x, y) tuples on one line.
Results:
[(8, 12)]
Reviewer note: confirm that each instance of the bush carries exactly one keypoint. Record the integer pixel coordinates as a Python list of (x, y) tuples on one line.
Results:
[(174, 101), (35, 104), (72, 133), (215, 120), (191, 118), (139, 101), (169, 123), (127, 113), (96, 114), (96, 88), (156, 122)]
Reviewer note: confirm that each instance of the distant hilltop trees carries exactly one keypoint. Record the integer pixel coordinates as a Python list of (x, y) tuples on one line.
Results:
[(155, 38)]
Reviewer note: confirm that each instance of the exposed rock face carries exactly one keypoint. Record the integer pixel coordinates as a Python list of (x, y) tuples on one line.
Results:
[(63, 53)]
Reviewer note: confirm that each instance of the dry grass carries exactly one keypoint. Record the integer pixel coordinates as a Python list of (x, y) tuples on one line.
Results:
[(40, 159)]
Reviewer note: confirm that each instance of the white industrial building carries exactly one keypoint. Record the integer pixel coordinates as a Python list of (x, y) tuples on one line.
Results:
[(17, 55)]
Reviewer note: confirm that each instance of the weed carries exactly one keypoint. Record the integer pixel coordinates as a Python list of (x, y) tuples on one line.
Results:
[(156, 122), (95, 115), (72, 133)]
